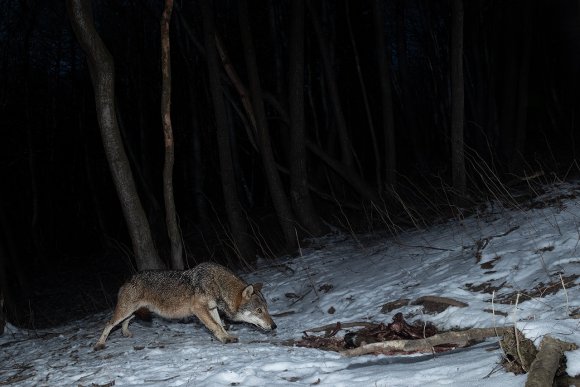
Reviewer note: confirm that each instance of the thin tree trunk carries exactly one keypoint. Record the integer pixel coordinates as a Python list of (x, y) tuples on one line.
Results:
[(170, 213), (343, 138), (277, 47), (348, 174), (383, 59), (299, 192), (199, 199), (36, 236), (13, 281), (241, 238), (197, 173), (509, 69), (279, 199), (522, 109), (407, 100), (102, 70), (457, 100), (378, 178)]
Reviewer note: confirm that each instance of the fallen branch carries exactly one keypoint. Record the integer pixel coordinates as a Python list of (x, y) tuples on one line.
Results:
[(547, 362), (457, 339), (440, 300)]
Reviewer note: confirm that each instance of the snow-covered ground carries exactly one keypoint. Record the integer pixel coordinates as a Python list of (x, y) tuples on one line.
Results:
[(344, 278)]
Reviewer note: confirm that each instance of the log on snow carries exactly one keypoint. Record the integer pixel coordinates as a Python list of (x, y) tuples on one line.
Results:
[(544, 367)]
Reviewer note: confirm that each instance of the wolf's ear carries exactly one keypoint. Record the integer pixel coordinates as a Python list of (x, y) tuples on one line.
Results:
[(251, 289), (247, 292)]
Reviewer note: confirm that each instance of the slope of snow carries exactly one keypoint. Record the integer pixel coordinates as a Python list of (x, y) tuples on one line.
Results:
[(343, 278)]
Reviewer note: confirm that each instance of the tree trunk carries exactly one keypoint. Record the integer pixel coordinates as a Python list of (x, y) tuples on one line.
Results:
[(299, 192), (241, 239), (457, 100), (378, 178), (198, 172), (277, 47), (415, 139), (522, 101), (37, 246), (348, 174), (101, 68), (343, 138), (279, 199), (509, 69), (13, 281), (170, 213), (384, 62)]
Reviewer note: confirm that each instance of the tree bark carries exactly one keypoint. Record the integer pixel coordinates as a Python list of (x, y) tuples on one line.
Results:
[(384, 62), (170, 213), (241, 239), (102, 71), (279, 199), (457, 100), (299, 191)]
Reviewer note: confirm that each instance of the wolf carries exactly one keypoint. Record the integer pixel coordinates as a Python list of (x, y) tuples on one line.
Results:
[(201, 292)]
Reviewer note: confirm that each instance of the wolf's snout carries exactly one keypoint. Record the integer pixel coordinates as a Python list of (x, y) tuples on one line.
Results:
[(274, 326)]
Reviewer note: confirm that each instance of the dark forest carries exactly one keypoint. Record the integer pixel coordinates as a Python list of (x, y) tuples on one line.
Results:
[(140, 134)]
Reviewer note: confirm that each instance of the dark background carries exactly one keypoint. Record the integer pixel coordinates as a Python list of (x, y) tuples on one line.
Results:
[(64, 246)]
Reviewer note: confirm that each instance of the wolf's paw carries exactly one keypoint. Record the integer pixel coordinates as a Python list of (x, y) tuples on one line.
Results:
[(230, 339), (226, 339), (99, 346), (127, 333)]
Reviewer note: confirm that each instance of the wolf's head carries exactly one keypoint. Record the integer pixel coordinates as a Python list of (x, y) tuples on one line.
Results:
[(253, 308)]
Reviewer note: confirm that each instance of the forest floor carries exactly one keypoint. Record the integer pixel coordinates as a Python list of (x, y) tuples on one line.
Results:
[(501, 266)]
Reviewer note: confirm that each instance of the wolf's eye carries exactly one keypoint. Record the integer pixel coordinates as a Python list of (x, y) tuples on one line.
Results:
[(259, 310)]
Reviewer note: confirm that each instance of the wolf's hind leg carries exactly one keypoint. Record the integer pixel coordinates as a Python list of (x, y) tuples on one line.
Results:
[(121, 314), (126, 331)]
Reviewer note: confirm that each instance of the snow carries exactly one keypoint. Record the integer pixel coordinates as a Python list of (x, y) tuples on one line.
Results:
[(521, 249)]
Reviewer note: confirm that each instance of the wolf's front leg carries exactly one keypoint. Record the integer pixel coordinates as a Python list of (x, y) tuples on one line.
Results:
[(213, 312), (206, 316)]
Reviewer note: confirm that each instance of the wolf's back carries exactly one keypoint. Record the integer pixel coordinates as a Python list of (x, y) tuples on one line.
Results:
[(214, 279)]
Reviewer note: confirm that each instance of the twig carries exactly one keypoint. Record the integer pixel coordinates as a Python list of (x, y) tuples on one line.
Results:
[(425, 247), (160, 380), (517, 336), (566, 294)]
